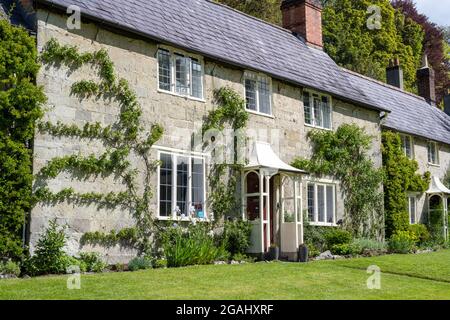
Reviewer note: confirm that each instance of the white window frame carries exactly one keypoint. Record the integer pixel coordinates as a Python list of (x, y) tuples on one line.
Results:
[(175, 154), (173, 54), (311, 93), (255, 76), (316, 221), (436, 149), (411, 145), (412, 196)]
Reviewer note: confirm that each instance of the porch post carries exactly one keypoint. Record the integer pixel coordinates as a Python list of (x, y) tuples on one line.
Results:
[(301, 210), (243, 192), (261, 207), (268, 226), (296, 210)]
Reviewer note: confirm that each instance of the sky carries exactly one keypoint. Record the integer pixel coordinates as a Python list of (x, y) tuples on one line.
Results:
[(437, 10)]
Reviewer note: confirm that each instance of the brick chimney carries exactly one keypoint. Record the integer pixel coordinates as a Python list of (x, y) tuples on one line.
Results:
[(426, 81), (394, 74), (304, 17), (447, 102)]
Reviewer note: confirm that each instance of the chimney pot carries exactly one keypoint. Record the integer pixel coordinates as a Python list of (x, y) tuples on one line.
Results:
[(426, 82), (304, 17)]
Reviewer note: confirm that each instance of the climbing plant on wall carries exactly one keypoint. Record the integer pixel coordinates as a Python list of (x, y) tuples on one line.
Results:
[(20, 107), (122, 140), (401, 178), (344, 155), (224, 171)]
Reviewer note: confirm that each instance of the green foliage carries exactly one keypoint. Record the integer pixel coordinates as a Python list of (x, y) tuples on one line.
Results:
[(20, 107), (349, 41), (125, 138), (367, 247), (236, 236), (420, 232), (49, 256), (240, 257), (400, 178), (402, 242), (160, 263), (223, 177), (336, 236), (194, 245), (92, 261), (125, 237), (436, 222), (139, 263), (9, 268), (268, 10), (314, 237), (343, 154)]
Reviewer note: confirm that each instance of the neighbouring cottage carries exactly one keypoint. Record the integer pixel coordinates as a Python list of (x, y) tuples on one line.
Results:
[(175, 54)]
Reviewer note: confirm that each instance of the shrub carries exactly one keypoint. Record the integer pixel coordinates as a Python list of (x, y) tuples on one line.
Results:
[(139, 263), (337, 236), (236, 236), (49, 257), (402, 242), (420, 232), (367, 247), (9, 268), (92, 261), (315, 239), (243, 258), (313, 251), (193, 245), (160, 263)]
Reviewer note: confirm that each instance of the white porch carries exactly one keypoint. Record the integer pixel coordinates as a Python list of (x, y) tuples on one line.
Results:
[(272, 202), (439, 192)]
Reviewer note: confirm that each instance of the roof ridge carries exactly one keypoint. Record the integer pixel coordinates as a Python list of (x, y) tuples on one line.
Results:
[(384, 84), (250, 16)]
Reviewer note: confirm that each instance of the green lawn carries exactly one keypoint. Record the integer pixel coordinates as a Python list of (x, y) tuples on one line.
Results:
[(425, 276)]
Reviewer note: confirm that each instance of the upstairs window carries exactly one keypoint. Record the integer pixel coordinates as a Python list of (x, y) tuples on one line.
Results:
[(433, 153), (317, 109), (407, 146), (258, 95), (180, 74)]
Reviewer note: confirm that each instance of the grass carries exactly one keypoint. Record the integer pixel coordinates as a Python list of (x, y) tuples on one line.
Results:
[(425, 276)]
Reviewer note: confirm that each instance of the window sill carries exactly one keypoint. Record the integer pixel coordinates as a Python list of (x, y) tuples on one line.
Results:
[(316, 127), (434, 165), (181, 96), (260, 114), (162, 218), (323, 224)]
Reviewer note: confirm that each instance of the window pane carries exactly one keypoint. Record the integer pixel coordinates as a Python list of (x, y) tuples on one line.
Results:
[(264, 95), (307, 108), (182, 75), (165, 72), (311, 202), (165, 186), (317, 111), (197, 85), (326, 113), (406, 141), (197, 188), (250, 94), (321, 203), (330, 204), (432, 153), (182, 185)]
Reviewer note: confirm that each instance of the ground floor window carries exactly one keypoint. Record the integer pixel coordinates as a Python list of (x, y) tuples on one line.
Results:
[(321, 203), (181, 186), (412, 209)]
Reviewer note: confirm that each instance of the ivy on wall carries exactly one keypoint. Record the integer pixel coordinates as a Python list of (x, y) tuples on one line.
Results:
[(401, 177), (344, 155), (20, 107), (224, 175), (124, 138)]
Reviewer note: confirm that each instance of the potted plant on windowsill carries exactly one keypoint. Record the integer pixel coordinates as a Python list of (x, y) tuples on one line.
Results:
[(274, 252)]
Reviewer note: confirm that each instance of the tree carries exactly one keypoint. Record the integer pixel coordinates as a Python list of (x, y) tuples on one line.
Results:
[(20, 107), (353, 45), (268, 10), (433, 44)]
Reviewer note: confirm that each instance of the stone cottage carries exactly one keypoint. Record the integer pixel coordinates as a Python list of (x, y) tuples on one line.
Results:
[(175, 54)]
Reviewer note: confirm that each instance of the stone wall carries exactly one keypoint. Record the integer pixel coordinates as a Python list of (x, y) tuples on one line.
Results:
[(135, 60)]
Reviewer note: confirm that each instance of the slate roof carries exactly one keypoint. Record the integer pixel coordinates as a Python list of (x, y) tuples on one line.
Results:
[(409, 113), (226, 35)]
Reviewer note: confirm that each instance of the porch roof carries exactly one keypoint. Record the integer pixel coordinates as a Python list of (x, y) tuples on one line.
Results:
[(263, 156), (437, 187)]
